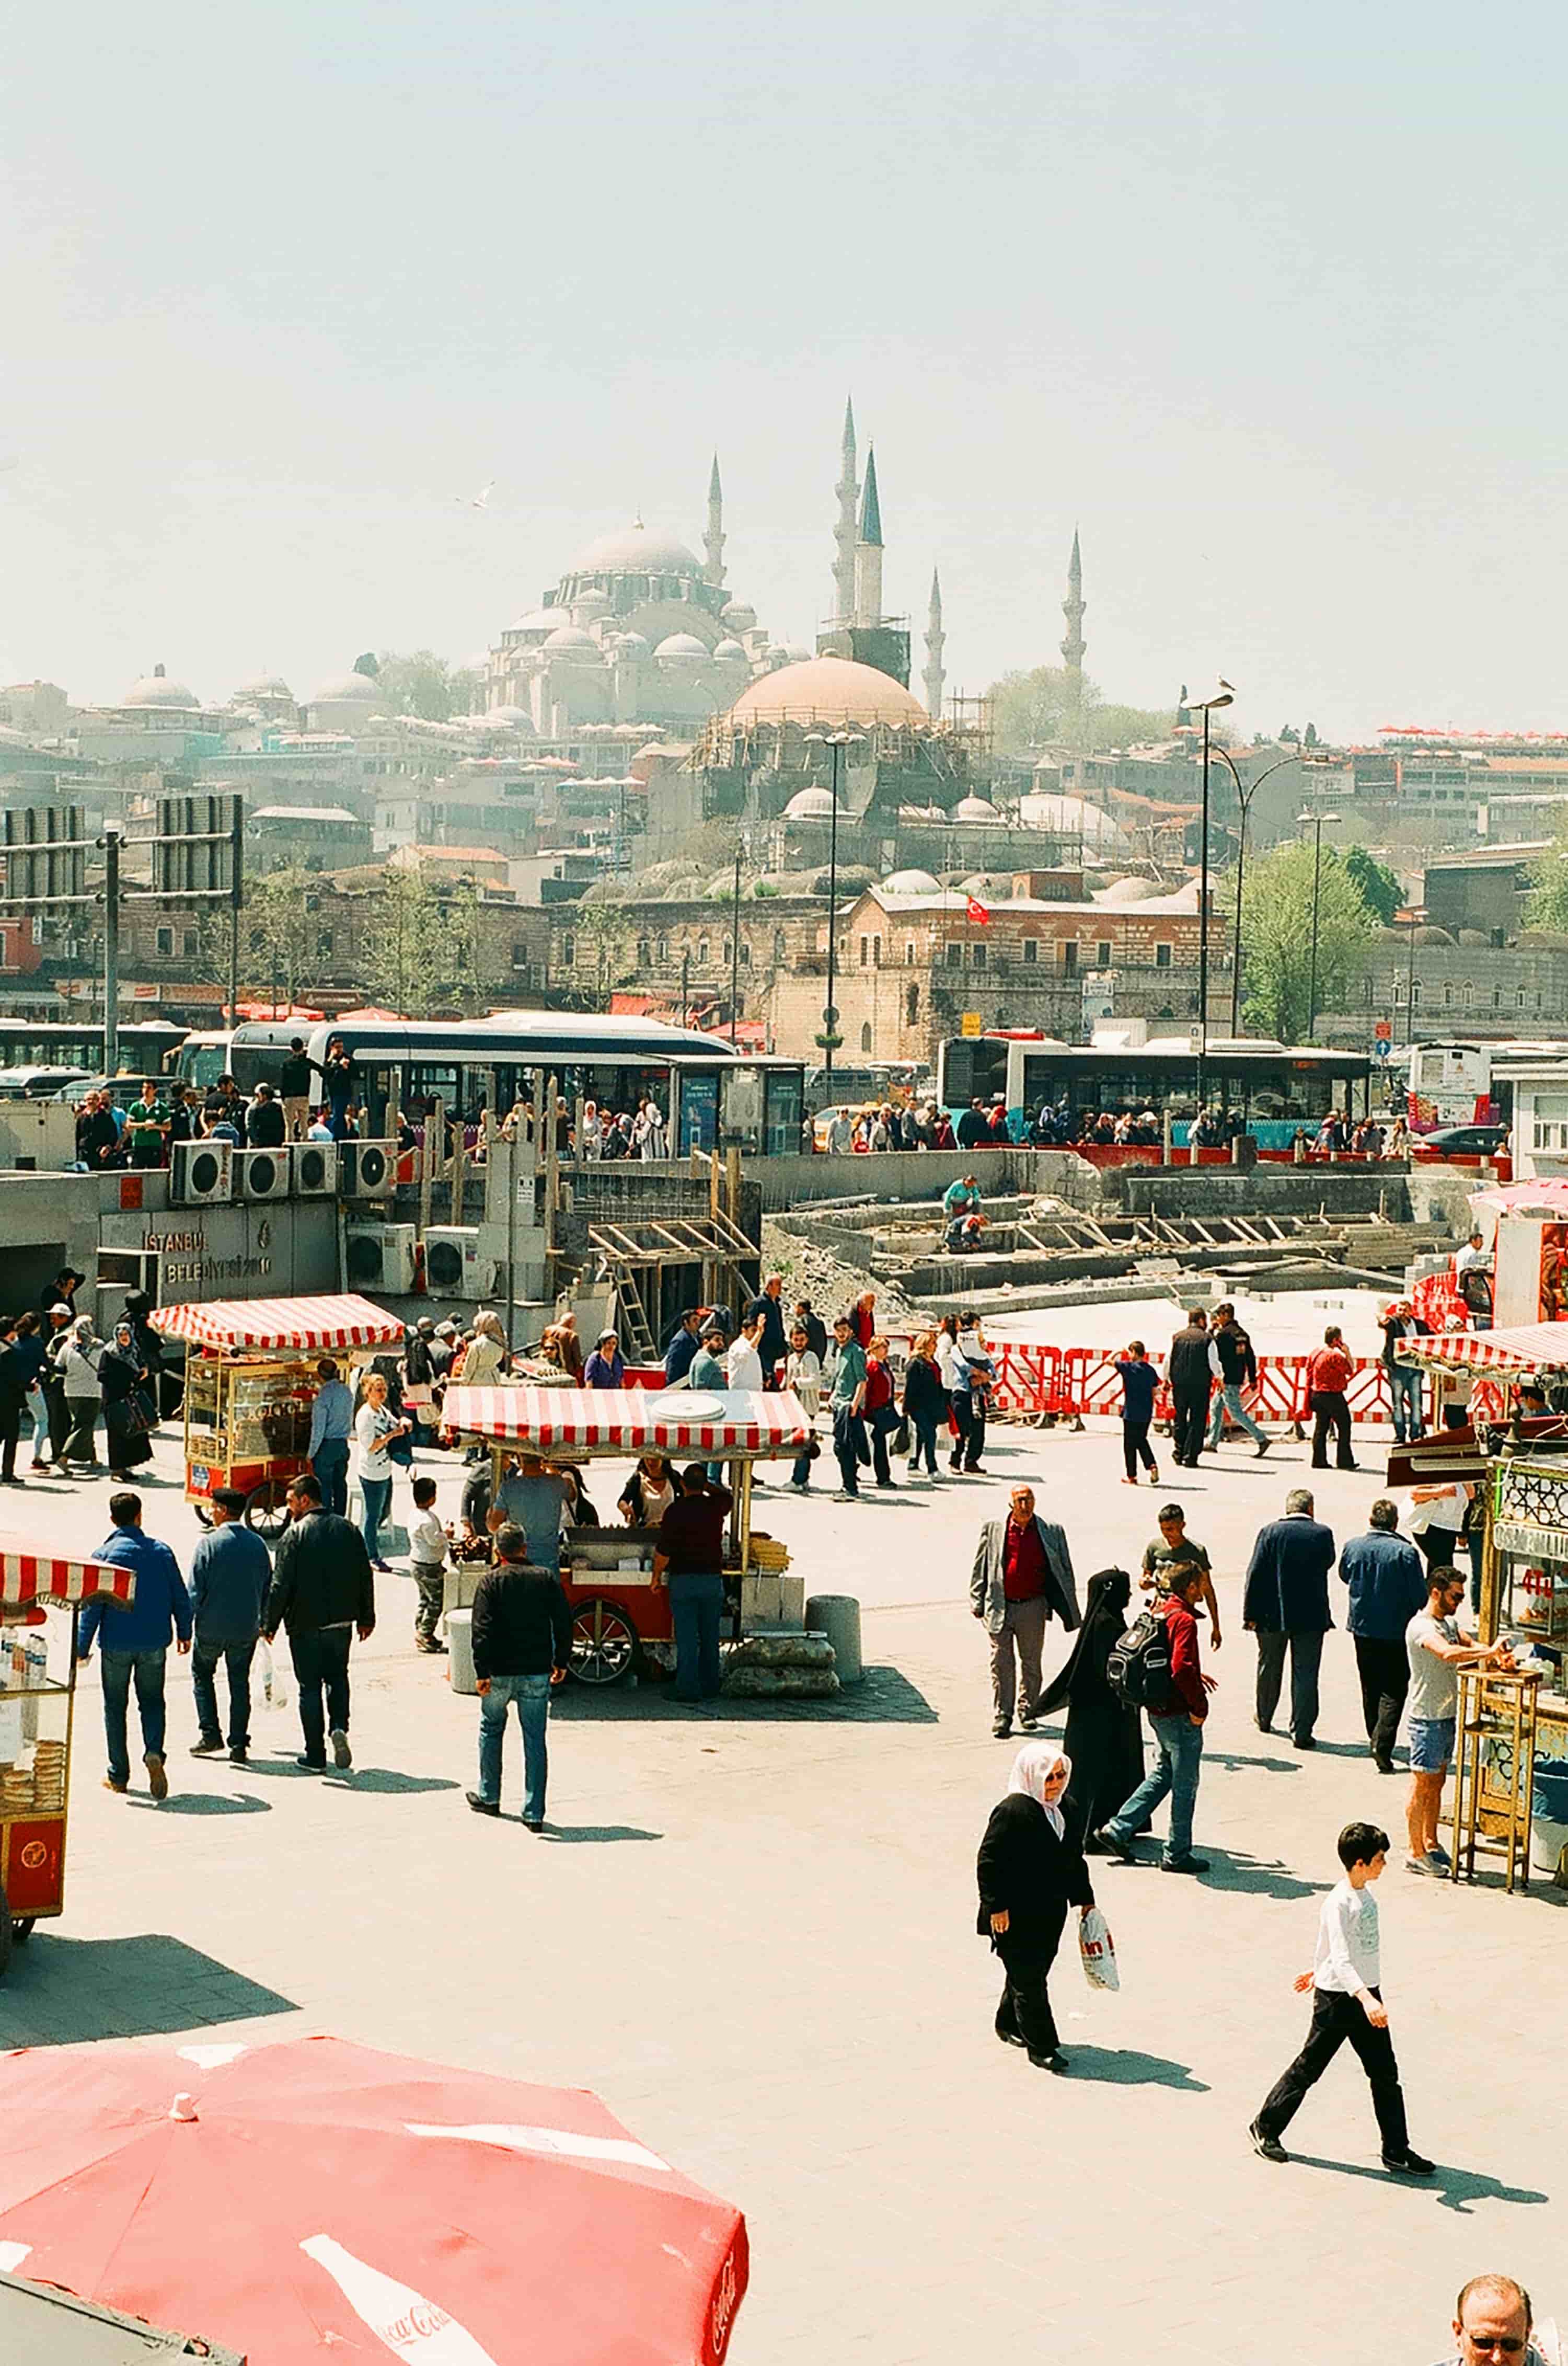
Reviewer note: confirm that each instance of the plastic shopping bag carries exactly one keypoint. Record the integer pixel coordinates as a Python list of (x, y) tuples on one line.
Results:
[(1097, 1949), (273, 1675)]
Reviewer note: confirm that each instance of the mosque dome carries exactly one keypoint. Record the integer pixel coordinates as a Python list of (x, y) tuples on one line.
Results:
[(570, 641), (682, 648), (632, 645), (510, 718), (911, 883), (829, 689), (810, 804), (797, 655), (269, 685), (738, 615), (635, 550), (156, 689), (347, 690), (974, 809), (591, 602), (728, 652), (1129, 891), (1072, 816)]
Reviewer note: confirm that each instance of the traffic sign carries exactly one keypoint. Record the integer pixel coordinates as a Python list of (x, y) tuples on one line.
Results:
[(971, 1023), (1384, 1030), (1382, 1047)]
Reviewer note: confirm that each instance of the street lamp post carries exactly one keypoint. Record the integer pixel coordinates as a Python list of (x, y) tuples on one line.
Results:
[(829, 1037), (735, 945), (1244, 798), (1318, 821), (685, 985), (1222, 697)]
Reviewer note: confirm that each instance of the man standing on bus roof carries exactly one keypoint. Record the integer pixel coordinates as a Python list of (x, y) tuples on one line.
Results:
[(294, 1083)]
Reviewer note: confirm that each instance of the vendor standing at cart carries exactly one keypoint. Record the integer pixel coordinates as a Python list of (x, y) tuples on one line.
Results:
[(689, 1560), (533, 1497)]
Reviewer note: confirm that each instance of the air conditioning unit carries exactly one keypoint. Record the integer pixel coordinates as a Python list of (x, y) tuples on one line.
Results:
[(380, 1256), (201, 1171), (315, 1169), (262, 1174), (452, 1265), (367, 1170)]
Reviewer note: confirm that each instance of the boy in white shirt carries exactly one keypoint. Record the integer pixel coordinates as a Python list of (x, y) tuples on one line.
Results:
[(743, 1364), (427, 1555), (1347, 2003)]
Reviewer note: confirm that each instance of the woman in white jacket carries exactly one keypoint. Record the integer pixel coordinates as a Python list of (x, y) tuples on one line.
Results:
[(79, 1362)]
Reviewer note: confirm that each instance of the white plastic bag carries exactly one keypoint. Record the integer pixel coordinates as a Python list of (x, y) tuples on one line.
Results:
[(273, 1677), (1097, 1950)]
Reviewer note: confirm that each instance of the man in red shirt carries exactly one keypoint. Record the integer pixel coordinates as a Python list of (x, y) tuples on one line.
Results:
[(1328, 1377), (1023, 1572), (689, 1560), (1179, 1737)]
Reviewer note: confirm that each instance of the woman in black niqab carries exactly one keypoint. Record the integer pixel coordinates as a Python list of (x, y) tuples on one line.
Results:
[(1104, 1737)]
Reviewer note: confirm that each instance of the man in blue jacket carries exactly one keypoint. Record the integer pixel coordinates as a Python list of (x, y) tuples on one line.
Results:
[(1388, 1585), (1286, 1602), (229, 1572), (135, 1639)]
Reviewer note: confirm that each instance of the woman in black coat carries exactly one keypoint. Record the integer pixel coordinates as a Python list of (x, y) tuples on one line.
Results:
[(1104, 1740), (1030, 1870), (121, 1377)]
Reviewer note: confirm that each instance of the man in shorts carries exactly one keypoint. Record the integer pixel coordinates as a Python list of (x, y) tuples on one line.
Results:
[(1437, 1648)]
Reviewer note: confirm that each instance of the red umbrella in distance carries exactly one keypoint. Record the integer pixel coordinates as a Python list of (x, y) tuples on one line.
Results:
[(313, 2194)]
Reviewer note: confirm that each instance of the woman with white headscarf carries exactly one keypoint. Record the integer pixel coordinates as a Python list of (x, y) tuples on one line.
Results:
[(1030, 1870)]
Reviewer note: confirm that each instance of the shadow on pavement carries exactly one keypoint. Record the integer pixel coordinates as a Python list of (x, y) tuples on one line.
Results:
[(205, 1803), (383, 1778), (1229, 1871), (1452, 2188), (599, 1832), (1230, 1759), (1125, 2066), (884, 1698), (64, 1991)]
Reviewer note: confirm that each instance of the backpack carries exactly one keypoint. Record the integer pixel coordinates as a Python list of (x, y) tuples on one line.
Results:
[(1138, 1667)]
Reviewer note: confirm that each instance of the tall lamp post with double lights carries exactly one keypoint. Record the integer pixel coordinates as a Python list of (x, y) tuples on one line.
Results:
[(829, 1038), (1244, 796), (1318, 821), (1223, 696)]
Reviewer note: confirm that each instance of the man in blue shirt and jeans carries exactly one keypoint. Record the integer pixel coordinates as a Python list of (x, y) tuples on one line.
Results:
[(135, 1639), (229, 1572)]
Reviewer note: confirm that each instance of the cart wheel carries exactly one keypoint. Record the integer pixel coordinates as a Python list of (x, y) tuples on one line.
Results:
[(604, 1642), (203, 1511), (22, 1928), (266, 1509)]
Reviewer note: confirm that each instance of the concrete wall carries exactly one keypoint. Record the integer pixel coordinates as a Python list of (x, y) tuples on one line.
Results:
[(918, 1175), (1259, 1190)]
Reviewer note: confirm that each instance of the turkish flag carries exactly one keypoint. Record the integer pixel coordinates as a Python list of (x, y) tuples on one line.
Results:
[(975, 911)]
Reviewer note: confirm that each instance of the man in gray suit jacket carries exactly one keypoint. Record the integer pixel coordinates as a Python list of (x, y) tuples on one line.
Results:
[(1023, 1572)]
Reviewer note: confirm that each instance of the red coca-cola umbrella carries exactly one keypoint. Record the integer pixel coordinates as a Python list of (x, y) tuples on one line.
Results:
[(293, 2198)]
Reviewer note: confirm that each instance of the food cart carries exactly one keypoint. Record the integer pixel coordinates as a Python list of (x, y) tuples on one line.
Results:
[(35, 1711), (618, 1614), (251, 1384), (1513, 1741)]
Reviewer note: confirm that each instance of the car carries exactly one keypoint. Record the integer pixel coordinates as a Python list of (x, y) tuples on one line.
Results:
[(1463, 1142), (40, 1083)]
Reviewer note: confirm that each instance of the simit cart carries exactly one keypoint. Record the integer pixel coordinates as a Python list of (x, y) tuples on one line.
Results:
[(36, 1709), (617, 1611), (251, 1385)]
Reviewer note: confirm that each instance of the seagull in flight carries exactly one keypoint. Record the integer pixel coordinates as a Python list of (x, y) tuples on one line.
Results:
[(479, 500)]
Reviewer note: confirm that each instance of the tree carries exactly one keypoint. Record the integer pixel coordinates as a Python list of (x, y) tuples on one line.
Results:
[(1548, 904), (1276, 935), (423, 683), (1289, 736), (1049, 704), (419, 950), (1378, 887)]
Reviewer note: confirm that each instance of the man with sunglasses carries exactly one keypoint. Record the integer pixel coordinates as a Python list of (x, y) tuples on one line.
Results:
[(1492, 2323)]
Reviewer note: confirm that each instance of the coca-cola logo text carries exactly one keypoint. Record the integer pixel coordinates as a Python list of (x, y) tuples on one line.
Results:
[(416, 2324), (724, 2305)]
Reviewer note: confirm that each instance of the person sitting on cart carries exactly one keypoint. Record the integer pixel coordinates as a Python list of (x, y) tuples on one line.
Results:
[(689, 1560), (534, 1498)]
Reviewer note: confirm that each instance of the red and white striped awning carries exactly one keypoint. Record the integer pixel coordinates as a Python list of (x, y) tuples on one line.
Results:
[(256, 1323), (1518, 1347), (28, 1576), (632, 1421)]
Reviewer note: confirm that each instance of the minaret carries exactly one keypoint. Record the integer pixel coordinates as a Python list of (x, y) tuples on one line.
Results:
[(1073, 608), (868, 550), (848, 490), (936, 639), (712, 542)]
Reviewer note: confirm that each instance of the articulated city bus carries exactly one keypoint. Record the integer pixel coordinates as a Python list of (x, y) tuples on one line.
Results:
[(1271, 1087), (145, 1044), (709, 1093)]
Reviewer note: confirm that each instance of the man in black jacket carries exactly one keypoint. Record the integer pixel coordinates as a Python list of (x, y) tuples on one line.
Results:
[(522, 1640), (1286, 1604), (267, 1128), (1233, 1365), (768, 1310), (1186, 1368), (323, 1589)]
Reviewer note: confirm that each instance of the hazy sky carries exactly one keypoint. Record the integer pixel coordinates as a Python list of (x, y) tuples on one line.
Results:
[(1267, 300)]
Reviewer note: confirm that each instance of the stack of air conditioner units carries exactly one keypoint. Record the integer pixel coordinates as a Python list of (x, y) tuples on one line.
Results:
[(200, 1172), (315, 1169), (367, 1170), (380, 1256), (261, 1174), (453, 1266)]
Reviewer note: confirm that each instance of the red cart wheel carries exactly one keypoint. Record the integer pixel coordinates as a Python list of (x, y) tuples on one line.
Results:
[(203, 1511), (266, 1509), (22, 1928), (604, 1642)]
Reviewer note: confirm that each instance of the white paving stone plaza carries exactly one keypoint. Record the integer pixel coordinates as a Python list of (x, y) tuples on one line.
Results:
[(752, 1932)]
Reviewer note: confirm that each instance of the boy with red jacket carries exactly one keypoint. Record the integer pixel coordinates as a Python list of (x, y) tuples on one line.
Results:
[(1178, 1738), (1328, 1377)]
